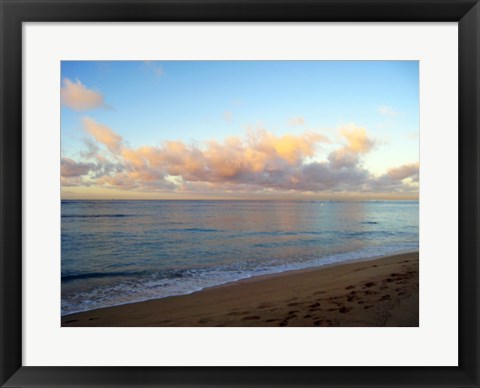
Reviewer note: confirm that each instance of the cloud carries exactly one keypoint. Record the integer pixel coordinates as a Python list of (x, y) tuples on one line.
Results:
[(259, 161), (70, 168), (92, 149), (295, 121), (156, 69), (78, 97), (343, 158), (386, 110), (357, 139), (405, 171), (357, 143), (103, 135)]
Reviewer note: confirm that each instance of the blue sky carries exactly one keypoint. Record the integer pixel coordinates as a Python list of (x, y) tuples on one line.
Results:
[(196, 102)]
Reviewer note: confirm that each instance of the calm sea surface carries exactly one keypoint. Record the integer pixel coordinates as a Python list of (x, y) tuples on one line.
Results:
[(116, 252)]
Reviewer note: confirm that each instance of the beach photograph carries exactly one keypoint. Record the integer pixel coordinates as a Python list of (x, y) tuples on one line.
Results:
[(239, 193)]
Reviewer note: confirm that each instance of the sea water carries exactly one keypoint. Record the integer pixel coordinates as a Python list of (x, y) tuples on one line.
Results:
[(116, 252)]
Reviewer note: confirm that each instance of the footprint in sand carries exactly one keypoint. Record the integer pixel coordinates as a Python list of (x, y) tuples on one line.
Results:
[(360, 269), (349, 287), (272, 320), (71, 321), (238, 313), (323, 322), (264, 305), (250, 318), (293, 304), (345, 309)]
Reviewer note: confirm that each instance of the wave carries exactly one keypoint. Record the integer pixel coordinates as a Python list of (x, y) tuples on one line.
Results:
[(142, 286), (97, 275), (96, 215), (186, 230)]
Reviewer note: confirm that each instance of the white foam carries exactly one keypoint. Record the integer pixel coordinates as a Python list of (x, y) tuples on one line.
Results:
[(198, 279)]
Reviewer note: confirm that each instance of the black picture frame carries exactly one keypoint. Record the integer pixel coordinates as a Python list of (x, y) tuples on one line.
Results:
[(15, 12)]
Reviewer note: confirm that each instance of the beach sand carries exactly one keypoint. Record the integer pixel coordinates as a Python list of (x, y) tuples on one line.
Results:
[(378, 292)]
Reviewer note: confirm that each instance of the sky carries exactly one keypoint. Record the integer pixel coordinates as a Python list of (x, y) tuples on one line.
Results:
[(333, 130)]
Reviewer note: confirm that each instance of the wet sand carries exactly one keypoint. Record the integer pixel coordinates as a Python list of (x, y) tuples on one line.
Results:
[(378, 292)]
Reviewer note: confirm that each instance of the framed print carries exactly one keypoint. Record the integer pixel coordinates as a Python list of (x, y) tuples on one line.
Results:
[(199, 193)]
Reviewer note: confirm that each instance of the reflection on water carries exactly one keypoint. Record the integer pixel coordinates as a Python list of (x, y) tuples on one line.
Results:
[(122, 251)]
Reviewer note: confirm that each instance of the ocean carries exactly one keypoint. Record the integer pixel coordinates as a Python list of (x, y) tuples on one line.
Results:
[(116, 252)]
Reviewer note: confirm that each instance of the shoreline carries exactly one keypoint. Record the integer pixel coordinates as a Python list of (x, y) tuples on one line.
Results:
[(254, 277), (280, 294)]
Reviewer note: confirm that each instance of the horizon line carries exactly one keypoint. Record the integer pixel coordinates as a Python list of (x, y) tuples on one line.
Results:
[(239, 199)]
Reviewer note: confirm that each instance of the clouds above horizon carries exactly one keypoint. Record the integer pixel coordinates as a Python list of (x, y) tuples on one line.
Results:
[(78, 97), (386, 110), (294, 121), (155, 67), (259, 161)]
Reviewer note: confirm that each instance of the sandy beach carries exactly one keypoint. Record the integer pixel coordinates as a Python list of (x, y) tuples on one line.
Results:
[(377, 292)]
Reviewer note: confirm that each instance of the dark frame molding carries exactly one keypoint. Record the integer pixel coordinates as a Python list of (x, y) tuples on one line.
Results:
[(14, 12)]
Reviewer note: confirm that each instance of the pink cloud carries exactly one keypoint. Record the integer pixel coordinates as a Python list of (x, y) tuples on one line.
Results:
[(357, 139), (103, 135), (70, 168), (78, 97), (405, 171), (257, 162)]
